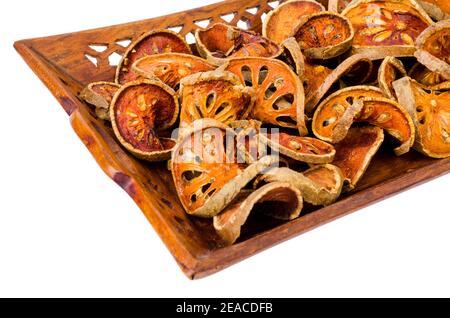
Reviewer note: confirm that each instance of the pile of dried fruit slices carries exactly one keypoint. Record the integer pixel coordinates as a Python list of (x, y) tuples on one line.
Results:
[(290, 116)]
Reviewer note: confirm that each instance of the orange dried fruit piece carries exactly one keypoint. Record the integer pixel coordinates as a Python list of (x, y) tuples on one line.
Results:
[(338, 5), (324, 35), (292, 55), (279, 200), (386, 27), (153, 42), (358, 65), (279, 91), (390, 70), (430, 111), (221, 42), (305, 149), (138, 111), (320, 185), (424, 76), (437, 9), (278, 24), (216, 94), (433, 48), (339, 111), (355, 153), (170, 68), (100, 95), (206, 171)]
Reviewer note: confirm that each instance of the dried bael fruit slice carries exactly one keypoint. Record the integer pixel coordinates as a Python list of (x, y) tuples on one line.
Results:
[(279, 23), (216, 94), (355, 152), (206, 171), (153, 42), (320, 185), (424, 76), (386, 27), (100, 95), (138, 111), (433, 48), (279, 200), (170, 68), (305, 149), (430, 111), (221, 41), (293, 56), (359, 63), (338, 5), (390, 70), (324, 35), (437, 9), (279, 91)]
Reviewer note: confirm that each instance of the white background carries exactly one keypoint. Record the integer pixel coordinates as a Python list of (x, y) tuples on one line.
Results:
[(67, 230)]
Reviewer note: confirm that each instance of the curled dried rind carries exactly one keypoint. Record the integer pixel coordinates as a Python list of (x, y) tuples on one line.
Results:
[(279, 91), (215, 94), (284, 200), (386, 27), (100, 95), (153, 42), (324, 35), (390, 70), (220, 42), (433, 48), (424, 76), (278, 24), (304, 149), (320, 185), (293, 56), (355, 152), (138, 111), (437, 9), (430, 111), (338, 5), (170, 68)]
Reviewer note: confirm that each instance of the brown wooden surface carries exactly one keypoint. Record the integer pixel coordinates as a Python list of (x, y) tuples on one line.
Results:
[(59, 61)]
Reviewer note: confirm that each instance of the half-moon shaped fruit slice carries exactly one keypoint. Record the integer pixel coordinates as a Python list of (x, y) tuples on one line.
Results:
[(324, 35), (305, 149), (430, 111), (320, 185), (170, 68), (386, 27), (138, 111), (433, 48), (206, 171), (280, 200), (390, 70), (100, 95), (279, 23), (279, 91), (355, 152), (216, 94), (424, 76), (293, 56), (221, 41), (359, 62), (437, 9), (153, 42)]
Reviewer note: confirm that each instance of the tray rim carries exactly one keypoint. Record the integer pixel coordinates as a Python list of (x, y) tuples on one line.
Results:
[(199, 266)]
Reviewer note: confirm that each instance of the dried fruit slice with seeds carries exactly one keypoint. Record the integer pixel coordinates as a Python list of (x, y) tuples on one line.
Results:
[(279, 200), (279, 91), (430, 111), (138, 111), (390, 70), (386, 27), (216, 94), (424, 76), (206, 171), (221, 42), (170, 68), (280, 22), (433, 48), (355, 152), (324, 35), (153, 42), (305, 149), (437, 9), (100, 95)]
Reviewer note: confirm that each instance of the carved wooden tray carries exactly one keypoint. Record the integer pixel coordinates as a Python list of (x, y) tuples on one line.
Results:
[(66, 63)]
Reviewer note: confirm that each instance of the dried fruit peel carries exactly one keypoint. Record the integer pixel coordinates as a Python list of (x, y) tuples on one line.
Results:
[(390, 70), (100, 95), (437, 9)]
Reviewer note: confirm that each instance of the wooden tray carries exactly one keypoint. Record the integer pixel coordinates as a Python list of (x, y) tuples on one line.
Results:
[(62, 63)]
